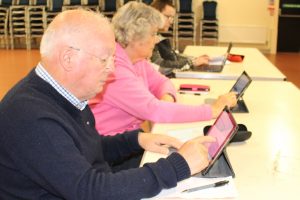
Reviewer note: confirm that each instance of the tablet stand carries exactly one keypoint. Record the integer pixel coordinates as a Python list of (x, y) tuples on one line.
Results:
[(221, 168), (240, 107)]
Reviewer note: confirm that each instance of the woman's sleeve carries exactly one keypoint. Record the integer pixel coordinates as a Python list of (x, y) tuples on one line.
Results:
[(130, 94)]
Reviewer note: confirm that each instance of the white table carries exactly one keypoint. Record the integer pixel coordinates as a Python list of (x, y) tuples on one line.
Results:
[(267, 166), (255, 63)]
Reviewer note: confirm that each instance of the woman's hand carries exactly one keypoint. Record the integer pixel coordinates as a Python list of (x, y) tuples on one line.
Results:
[(228, 99), (167, 97), (201, 60)]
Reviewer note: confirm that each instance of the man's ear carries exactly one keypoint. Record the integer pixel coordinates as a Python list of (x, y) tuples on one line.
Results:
[(66, 56)]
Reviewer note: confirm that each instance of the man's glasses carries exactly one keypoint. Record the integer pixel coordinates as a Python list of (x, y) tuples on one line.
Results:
[(107, 62)]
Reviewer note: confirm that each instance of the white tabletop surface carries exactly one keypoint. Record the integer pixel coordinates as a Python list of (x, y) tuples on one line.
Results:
[(267, 166), (255, 63)]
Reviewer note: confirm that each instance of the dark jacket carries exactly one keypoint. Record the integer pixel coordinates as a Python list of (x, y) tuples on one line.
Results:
[(50, 150), (167, 59)]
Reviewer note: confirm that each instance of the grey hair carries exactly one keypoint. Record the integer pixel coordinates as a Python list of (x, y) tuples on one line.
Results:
[(68, 26), (134, 21)]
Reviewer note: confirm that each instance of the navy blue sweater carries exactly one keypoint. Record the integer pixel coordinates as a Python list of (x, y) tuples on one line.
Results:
[(50, 150)]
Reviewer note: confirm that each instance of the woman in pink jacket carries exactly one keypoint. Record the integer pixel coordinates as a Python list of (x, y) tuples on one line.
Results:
[(137, 91)]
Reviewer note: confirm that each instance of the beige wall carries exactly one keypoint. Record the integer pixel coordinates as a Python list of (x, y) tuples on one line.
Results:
[(248, 19)]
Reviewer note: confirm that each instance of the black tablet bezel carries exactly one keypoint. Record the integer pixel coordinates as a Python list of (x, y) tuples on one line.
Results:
[(230, 136), (244, 74)]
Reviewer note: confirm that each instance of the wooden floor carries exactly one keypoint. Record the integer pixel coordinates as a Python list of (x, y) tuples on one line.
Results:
[(288, 64), (15, 64)]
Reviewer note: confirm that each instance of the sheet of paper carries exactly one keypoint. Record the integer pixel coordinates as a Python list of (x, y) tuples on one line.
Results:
[(186, 134), (226, 191)]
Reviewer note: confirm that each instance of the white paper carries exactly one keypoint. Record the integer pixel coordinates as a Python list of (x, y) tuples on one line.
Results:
[(226, 191), (186, 134)]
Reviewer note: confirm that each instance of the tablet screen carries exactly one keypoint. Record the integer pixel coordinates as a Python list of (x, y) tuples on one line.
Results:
[(241, 84), (223, 130)]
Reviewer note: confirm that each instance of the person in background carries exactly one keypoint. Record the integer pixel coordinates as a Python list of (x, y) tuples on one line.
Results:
[(163, 54), (139, 92), (49, 147)]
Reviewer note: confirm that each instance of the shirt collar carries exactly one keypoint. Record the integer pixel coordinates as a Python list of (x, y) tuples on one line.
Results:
[(42, 73)]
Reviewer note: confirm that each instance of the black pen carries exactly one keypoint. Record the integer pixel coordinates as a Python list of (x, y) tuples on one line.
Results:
[(217, 184), (187, 92)]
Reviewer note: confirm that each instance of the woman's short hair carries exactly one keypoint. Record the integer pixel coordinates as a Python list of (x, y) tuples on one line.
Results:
[(134, 21)]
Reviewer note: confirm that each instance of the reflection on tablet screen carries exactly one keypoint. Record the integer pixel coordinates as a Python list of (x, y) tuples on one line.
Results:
[(241, 84), (221, 131)]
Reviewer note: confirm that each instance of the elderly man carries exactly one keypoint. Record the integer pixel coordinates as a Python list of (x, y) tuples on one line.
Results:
[(49, 148)]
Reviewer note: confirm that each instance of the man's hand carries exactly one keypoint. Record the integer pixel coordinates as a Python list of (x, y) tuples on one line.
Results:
[(158, 143), (195, 153), (228, 99)]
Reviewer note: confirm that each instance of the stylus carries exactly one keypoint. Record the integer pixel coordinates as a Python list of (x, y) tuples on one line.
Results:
[(217, 184), (192, 93)]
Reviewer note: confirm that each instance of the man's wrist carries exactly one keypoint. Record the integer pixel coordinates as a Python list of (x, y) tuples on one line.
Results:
[(180, 165)]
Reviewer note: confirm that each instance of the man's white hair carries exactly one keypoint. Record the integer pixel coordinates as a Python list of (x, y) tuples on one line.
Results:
[(68, 26)]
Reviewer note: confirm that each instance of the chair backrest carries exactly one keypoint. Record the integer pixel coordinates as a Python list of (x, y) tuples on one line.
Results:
[(184, 6), (55, 5), (3, 19), (22, 2), (93, 2), (40, 2), (4, 25), (75, 2), (209, 10), (109, 5), (7, 2), (126, 1), (147, 1)]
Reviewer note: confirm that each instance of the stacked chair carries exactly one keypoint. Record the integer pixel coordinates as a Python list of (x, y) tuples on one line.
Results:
[(92, 5), (75, 4), (27, 21), (53, 8), (23, 22), (147, 1), (143, 1), (37, 21), (4, 12), (126, 1), (209, 22), (185, 23), (18, 20), (109, 7)]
